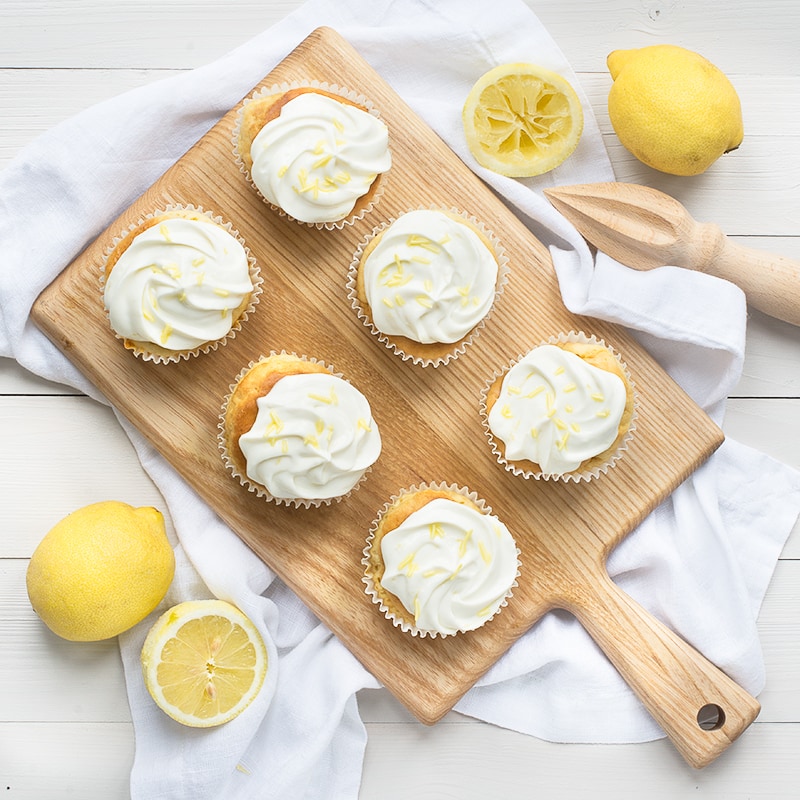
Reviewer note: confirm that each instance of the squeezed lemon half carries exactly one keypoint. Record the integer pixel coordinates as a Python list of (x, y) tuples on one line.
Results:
[(203, 662), (522, 120)]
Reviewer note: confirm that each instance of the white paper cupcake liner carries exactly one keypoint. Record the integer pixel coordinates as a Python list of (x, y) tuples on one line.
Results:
[(378, 185), (161, 356), (577, 475), (400, 622), (457, 348), (247, 482)]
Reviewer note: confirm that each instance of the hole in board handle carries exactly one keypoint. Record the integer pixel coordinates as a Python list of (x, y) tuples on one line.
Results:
[(710, 717)]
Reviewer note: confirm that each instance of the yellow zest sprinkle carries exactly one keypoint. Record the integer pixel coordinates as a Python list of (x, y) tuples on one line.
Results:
[(597, 397), (285, 446), (275, 423), (603, 414), (331, 399), (561, 444), (416, 608), (571, 387), (436, 531), (198, 261), (148, 316), (339, 142), (421, 259), (166, 333), (455, 572), (559, 371), (485, 554), (319, 426), (538, 390), (514, 390), (224, 312), (560, 424), (484, 612), (462, 545), (432, 573), (575, 427), (319, 148), (399, 300), (550, 401), (242, 768), (418, 240), (282, 171), (424, 301), (338, 125), (387, 302), (342, 177), (162, 229), (506, 412), (311, 440), (364, 425), (568, 409), (322, 162), (428, 285), (201, 276), (534, 433), (222, 293), (409, 565), (272, 441), (551, 413)]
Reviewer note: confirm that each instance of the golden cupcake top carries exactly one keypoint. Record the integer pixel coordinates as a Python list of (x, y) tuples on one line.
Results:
[(177, 283), (430, 277), (557, 410), (318, 156), (313, 438), (450, 565)]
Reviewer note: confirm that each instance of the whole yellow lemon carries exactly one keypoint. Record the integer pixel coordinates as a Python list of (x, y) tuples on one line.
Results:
[(100, 570), (672, 108)]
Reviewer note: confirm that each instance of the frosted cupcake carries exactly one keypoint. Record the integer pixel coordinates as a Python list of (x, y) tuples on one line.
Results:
[(564, 410), (437, 562), (296, 433), (178, 283), (314, 153), (425, 282)]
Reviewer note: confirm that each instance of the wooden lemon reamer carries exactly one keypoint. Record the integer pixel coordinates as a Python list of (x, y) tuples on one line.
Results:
[(644, 228)]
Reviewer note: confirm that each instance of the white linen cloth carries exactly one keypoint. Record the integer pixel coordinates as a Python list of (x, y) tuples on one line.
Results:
[(713, 545)]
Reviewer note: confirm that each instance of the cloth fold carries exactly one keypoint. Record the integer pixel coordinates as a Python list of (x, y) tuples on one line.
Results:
[(712, 545)]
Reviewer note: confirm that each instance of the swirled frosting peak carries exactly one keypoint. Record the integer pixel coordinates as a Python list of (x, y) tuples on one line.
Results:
[(557, 410), (178, 284), (450, 565), (313, 438), (430, 278), (318, 157)]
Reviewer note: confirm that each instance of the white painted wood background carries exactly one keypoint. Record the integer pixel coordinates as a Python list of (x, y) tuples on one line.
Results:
[(65, 726)]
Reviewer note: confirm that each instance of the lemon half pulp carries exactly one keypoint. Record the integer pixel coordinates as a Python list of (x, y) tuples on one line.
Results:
[(203, 662), (522, 120)]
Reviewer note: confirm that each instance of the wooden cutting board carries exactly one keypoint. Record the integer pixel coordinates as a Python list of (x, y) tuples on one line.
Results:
[(428, 417)]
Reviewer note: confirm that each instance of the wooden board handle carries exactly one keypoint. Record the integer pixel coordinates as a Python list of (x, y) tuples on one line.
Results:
[(697, 705), (771, 282)]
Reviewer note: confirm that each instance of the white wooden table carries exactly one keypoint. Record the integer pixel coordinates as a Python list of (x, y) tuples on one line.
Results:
[(65, 727)]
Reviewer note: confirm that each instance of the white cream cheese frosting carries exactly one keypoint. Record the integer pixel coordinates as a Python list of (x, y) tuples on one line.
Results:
[(450, 565), (178, 284), (430, 278), (557, 410), (318, 157), (313, 438)]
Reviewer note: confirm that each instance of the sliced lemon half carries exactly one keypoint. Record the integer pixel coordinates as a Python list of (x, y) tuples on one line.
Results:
[(203, 662), (522, 120)]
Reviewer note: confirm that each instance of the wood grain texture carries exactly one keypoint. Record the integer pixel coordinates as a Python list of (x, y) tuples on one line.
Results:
[(565, 531)]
